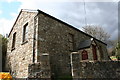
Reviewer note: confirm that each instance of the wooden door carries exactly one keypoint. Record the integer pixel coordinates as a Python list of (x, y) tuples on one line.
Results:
[(94, 52)]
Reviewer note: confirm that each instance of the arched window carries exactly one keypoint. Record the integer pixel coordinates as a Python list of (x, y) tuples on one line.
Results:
[(84, 55), (94, 52)]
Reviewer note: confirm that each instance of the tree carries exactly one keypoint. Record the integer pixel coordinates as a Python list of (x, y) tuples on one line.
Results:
[(117, 49), (3, 43), (97, 32)]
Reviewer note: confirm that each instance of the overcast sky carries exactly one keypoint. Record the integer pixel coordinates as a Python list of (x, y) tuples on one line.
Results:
[(103, 13)]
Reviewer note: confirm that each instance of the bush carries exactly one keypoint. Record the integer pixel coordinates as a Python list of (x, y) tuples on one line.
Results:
[(118, 57)]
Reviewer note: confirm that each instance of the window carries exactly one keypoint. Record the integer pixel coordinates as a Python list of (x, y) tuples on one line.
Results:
[(14, 40), (94, 52), (84, 55), (25, 32), (71, 41)]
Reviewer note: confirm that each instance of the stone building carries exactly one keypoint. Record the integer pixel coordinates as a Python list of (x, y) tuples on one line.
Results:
[(41, 45)]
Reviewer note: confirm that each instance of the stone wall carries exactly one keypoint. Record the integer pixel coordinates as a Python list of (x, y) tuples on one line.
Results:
[(21, 56), (35, 71), (98, 69), (39, 70), (83, 70), (45, 35), (54, 38)]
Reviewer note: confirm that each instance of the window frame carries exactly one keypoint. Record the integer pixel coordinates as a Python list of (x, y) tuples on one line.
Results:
[(71, 41), (13, 41), (94, 51), (84, 55), (25, 33)]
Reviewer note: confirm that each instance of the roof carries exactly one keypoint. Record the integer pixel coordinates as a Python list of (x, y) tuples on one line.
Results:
[(39, 11), (85, 44)]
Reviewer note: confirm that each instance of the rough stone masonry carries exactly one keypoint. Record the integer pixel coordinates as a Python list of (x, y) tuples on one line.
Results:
[(40, 46)]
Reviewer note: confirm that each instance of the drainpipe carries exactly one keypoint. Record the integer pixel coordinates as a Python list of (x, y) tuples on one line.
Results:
[(71, 64), (34, 38)]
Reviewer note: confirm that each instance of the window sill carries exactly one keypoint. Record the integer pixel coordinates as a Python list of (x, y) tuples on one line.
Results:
[(12, 49), (24, 42)]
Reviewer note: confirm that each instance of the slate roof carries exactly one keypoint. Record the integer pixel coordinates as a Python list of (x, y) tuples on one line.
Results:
[(85, 44)]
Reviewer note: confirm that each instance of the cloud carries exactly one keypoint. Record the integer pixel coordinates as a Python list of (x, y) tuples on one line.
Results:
[(14, 15), (104, 14), (5, 25), (98, 13), (0, 11), (9, 1), (68, 0)]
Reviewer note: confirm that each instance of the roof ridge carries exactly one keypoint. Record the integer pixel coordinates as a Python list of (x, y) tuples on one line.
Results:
[(29, 10)]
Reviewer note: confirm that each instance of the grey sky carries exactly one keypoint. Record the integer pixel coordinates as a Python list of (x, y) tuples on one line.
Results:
[(103, 14)]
